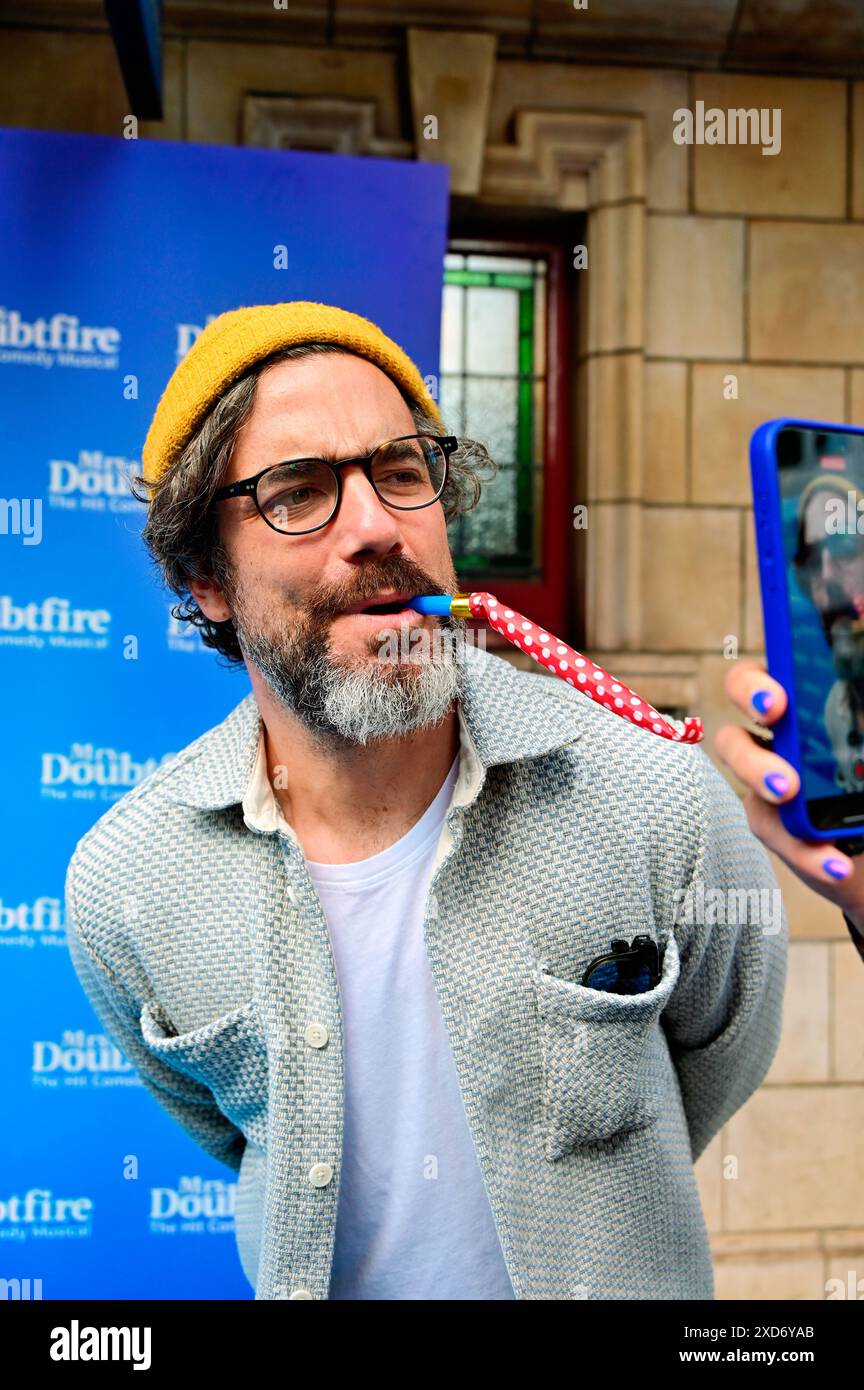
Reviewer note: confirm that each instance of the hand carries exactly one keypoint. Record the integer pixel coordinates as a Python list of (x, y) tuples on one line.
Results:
[(819, 864)]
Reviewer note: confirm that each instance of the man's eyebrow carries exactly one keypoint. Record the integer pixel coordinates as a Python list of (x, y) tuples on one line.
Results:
[(331, 456)]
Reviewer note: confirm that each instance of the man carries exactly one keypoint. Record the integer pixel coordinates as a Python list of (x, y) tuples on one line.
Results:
[(364, 904)]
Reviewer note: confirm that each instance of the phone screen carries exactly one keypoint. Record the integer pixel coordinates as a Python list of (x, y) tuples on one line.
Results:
[(821, 478)]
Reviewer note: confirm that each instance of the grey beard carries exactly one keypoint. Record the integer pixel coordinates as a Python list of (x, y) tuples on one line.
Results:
[(357, 705)]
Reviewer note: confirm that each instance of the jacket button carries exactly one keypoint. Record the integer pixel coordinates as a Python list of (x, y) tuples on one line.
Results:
[(316, 1035), (301, 1293), (320, 1174), (292, 898)]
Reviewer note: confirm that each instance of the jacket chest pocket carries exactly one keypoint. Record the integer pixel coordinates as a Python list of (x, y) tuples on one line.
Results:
[(604, 1057), (229, 1056)]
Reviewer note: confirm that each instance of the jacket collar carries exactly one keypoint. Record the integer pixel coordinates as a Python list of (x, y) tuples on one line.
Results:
[(508, 717)]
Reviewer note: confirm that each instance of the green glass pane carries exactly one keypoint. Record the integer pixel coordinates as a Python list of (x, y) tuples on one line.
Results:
[(467, 277)]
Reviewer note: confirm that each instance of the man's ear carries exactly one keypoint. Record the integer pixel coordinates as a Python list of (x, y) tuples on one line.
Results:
[(210, 599)]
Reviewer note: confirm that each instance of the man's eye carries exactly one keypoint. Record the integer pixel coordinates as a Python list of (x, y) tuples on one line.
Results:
[(294, 497), (402, 475)]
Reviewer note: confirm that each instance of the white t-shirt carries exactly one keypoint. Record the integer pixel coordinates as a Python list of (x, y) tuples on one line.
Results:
[(413, 1220)]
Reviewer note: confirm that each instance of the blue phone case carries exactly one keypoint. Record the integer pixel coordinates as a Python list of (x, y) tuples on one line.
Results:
[(776, 611)]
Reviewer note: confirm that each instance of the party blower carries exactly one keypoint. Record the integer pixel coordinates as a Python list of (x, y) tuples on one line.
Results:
[(549, 651)]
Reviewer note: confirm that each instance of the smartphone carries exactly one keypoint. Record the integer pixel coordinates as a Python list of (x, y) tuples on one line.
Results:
[(808, 504)]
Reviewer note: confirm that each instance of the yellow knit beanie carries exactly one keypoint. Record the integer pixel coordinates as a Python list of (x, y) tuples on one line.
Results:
[(235, 340)]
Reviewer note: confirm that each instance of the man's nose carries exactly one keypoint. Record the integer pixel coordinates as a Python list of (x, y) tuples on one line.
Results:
[(361, 508)]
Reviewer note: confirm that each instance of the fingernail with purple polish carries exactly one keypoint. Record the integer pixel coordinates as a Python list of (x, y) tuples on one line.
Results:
[(835, 867), (776, 783), (762, 701)]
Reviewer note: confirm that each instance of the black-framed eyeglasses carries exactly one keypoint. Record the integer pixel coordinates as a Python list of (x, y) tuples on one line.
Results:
[(302, 495), (626, 969)]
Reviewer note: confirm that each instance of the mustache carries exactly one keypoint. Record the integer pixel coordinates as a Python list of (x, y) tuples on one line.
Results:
[(402, 576)]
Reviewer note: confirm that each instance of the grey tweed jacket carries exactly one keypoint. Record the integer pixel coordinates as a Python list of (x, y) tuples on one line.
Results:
[(203, 948)]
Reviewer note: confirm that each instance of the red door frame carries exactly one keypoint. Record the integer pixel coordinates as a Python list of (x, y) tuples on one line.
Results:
[(546, 598)]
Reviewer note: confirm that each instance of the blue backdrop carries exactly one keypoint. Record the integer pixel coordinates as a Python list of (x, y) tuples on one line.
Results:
[(113, 255)]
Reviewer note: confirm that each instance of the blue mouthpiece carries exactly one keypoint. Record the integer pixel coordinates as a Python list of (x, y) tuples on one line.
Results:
[(432, 603)]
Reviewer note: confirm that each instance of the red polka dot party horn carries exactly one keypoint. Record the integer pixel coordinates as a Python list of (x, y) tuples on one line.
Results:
[(549, 651)]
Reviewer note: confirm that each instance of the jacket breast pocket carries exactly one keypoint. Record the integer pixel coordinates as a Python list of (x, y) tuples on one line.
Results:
[(604, 1057), (229, 1056)]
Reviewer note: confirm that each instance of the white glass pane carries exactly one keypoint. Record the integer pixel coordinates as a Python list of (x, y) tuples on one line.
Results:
[(490, 529), (508, 263), (490, 408), (492, 330), (452, 322)]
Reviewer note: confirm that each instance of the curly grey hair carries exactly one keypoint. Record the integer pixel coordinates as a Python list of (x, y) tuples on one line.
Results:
[(182, 533)]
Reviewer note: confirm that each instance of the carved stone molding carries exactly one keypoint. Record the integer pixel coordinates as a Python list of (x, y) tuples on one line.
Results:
[(573, 160), (450, 76), (334, 125)]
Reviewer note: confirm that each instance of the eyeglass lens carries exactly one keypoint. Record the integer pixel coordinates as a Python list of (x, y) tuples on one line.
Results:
[(300, 495), (840, 546)]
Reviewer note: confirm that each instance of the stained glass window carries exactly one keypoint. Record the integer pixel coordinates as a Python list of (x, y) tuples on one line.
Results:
[(493, 388)]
